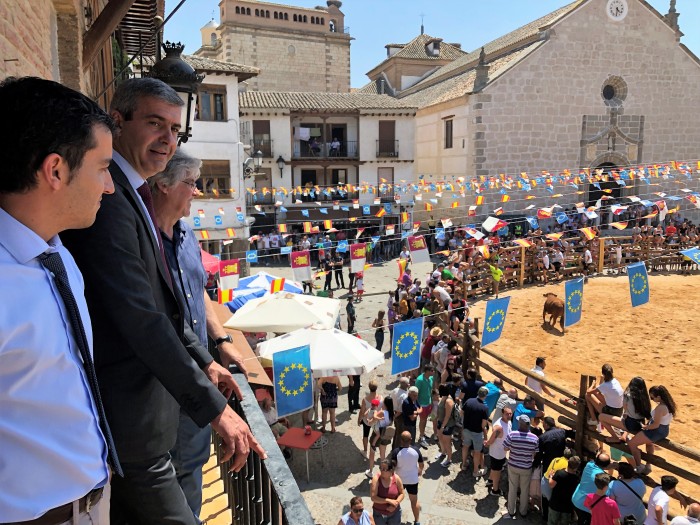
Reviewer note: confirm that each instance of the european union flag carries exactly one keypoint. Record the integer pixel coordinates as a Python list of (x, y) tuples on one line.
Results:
[(240, 217), (533, 222), (387, 207), (251, 256), (365, 210), (405, 347), (285, 249), (323, 210), (639, 283), (496, 311), (197, 222), (342, 247), (218, 220), (294, 388), (562, 217), (305, 213), (573, 291), (693, 254)]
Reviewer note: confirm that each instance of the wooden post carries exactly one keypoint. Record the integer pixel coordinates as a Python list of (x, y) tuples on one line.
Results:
[(601, 254), (581, 414), (521, 274)]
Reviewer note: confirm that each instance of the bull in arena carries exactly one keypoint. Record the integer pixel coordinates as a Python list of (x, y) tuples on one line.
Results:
[(555, 308)]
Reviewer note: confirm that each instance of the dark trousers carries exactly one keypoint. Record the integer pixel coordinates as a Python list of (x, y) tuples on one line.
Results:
[(351, 280), (354, 394), (351, 324), (328, 284), (149, 494), (339, 280), (584, 518), (379, 339)]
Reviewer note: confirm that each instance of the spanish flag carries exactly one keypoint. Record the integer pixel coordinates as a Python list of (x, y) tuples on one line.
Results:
[(479, 200), (282, 228), (455, 204), (277, 285), (225, 296), (204, 234), (522, 242), (381, 213), (429, 207), (505, 198), (619, 225), (588, 233), (404, 217), (307, 227), (230, 232), (327, 224)]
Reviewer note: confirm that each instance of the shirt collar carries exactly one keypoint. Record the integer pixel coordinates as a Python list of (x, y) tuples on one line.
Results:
[(132, 175), (22, 242)]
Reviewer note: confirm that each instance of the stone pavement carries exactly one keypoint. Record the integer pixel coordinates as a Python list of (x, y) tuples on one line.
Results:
[(448, 496)]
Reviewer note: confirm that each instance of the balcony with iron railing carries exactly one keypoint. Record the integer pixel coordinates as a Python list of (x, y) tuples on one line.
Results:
[(263, 145), (258, 198), (387, 148), (310, 150), (264, 491)]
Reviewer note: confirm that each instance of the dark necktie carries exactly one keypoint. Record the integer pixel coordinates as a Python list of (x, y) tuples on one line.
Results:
[(53, 263), (145, 192)]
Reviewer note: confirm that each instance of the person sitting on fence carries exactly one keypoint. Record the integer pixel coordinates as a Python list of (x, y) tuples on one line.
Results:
[(636, 410), (657, 428), (606, 397)]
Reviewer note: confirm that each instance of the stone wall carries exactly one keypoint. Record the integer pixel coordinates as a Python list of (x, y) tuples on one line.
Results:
[(292, 60), (27, 38)]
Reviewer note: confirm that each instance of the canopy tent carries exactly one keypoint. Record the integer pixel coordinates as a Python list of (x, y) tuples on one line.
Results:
[(333, 352), (211, 263), (284, 312)]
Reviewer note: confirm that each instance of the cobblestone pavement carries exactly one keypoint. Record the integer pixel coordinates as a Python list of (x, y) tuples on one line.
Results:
[(448, 496)]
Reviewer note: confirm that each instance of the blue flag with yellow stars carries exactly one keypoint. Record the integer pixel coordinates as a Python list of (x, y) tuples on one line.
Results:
[(294, 389), (693, 254), (573, 291), (405, 347), (639, 283), (496, 311)]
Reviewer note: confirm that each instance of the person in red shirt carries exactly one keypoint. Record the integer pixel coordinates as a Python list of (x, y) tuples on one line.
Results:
[(604, 510)]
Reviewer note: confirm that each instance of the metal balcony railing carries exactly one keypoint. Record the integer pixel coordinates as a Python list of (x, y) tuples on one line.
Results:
[(263, 145), (307, 150), (259, 198), (387, 148), (340, 196), (264, 491)]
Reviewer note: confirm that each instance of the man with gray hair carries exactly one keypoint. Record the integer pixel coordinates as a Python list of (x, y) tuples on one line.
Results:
[(476, 428), (692, 517), (398, 396), (173, 190), (522, 446), (149, 363)]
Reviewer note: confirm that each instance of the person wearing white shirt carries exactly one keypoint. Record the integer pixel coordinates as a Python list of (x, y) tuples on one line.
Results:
[(691, 518), (659, 499), (606, 398), (56, 148), (536, 386)]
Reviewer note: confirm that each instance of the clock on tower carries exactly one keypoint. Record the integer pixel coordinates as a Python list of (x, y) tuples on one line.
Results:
[(616, 9)]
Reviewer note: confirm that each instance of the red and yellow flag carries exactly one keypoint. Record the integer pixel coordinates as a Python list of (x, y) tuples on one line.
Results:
[(282, 228), (589, 233), (327, 224), (554, 236), (402, 266), (429, 207), (225, 296), (404, 217), (455, 204), (204, 234), (522, 242), (619, 225), (505, 198), (277, 285), (381, 213), (230, 232), (479, 200), (307, 227)]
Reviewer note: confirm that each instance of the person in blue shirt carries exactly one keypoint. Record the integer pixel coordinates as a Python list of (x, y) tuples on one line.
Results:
[(495, 389), (55, 150), (587, 486), (528, 408)]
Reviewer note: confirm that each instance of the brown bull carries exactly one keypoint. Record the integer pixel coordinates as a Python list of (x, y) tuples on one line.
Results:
[(555, 308)]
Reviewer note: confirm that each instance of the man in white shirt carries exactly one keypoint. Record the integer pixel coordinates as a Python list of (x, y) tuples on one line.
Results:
[(587, 262), (692, 517), (606, 398), (659, 500), (408, 463), (275, 245), (536, 386)]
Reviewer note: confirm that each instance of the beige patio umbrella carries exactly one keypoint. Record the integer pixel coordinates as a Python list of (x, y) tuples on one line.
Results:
[(284, 312)]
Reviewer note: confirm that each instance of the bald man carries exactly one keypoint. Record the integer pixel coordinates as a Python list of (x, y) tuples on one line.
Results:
[(692, 517)]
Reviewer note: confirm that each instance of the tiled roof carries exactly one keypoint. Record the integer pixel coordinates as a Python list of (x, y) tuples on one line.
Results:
[(416, 49), (521, 35), (318, 101), (463, 83), (372, 88), (209, 65)]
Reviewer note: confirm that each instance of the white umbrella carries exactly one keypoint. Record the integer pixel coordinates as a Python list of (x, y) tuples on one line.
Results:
[(333, 352), (283, 312)]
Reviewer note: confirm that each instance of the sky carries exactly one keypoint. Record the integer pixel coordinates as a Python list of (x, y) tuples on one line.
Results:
[(375, 23)]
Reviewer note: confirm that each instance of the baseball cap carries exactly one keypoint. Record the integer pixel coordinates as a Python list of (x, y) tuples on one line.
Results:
[(523, 418), (375, 402)]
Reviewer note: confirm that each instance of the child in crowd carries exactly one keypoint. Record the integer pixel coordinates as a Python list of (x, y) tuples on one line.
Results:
[(360, 284), (604, 511)]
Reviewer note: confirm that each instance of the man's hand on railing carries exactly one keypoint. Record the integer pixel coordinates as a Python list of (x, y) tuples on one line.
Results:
[(223, 380), (231, 356), (237, 439)]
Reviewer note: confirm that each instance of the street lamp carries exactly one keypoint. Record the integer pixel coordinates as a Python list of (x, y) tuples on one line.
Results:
[(258, 160), (280, 164), (180, 76)]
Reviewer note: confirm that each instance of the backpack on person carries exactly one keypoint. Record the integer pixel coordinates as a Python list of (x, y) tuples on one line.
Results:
[(457, 415)]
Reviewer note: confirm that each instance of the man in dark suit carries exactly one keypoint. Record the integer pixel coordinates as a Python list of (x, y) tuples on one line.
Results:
[(148, 360)]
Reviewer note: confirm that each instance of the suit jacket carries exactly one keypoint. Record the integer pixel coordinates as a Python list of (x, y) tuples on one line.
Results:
[(148, 361)]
